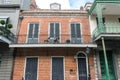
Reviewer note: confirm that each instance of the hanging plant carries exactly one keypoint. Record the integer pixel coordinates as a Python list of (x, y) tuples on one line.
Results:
[(2, 22), (9, 26)]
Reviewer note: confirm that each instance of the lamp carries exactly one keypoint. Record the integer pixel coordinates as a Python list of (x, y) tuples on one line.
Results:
[(87, 50), (21, 18)]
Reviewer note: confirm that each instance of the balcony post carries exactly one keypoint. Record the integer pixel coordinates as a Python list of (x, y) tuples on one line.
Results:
[(99, 9), (106, 62)]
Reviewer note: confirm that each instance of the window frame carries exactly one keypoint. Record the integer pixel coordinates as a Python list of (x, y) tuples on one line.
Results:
[(33, 31), (37, 65), (54, 30), (80, 30)]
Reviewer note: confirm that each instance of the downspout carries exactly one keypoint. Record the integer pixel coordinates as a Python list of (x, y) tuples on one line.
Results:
[(105, 57)]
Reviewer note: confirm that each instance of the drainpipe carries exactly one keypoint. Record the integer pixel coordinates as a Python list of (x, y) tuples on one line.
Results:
[(105, 57)]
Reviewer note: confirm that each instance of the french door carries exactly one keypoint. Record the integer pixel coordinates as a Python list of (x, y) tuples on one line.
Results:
[(31, 69), (75, 33), (33, 33), (57, 68)]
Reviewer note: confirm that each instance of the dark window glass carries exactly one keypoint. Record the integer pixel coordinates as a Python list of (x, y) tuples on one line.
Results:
[(31, 69)]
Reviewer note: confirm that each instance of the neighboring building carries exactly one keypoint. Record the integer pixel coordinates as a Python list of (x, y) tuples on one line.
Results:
[(9, 12), (54, 44), (105, 26)]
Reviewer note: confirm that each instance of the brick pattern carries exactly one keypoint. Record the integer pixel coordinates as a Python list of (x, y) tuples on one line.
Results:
[(44, 69), (44, 28)]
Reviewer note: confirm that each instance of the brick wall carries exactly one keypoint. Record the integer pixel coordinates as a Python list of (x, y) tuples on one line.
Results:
[(44, 27), (44, 55)]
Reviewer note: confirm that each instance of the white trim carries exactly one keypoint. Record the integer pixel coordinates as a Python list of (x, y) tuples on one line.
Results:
[(81, 52), (37, 65), (53, 45), (63, 65)]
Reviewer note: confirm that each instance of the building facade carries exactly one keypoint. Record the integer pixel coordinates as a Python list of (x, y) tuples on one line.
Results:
[(105, 26), (54, 44)]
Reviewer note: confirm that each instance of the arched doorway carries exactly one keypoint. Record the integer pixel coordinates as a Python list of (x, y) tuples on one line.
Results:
[(82, 62)]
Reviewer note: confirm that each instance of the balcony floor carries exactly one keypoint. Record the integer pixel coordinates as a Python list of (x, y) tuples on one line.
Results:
[(52, 45)]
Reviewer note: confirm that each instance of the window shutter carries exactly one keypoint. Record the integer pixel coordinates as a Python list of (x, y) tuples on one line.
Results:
[(30, 31), (78, 31), (57, 30), (72, 30), (36, 30), (51, 29)]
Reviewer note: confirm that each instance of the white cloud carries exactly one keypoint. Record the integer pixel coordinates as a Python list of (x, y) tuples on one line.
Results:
[(45, 4), (75, 4)]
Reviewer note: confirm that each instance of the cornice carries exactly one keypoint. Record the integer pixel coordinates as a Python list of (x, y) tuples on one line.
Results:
[(55, 13)]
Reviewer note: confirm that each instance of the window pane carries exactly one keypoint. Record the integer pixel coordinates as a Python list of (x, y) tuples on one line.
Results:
[(30, 31), (51, 29), (78, 32), (36, 29), (57, 30), (72, 30)]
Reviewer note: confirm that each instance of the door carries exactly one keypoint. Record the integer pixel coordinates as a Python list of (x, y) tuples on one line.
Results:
[(33, 33), (57, 68), (75, 33), (82, 67), (110, 65), (31, 69)]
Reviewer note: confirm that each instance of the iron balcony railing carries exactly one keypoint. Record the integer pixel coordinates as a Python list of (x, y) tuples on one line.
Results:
[(106, 29), (7, 34), (61, 39)]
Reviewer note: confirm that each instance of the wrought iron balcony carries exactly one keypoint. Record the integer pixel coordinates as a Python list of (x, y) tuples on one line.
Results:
[(108, 28), (6, 35), (46, 39)]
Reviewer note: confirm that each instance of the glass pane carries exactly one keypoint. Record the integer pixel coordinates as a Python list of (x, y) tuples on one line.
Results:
[(72, 30), (78, 32), (51, 29), (30, 31), (57, 30), (36, 29), (31, 69)]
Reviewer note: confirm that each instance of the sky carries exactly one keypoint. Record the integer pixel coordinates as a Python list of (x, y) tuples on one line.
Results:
[(65, 4)]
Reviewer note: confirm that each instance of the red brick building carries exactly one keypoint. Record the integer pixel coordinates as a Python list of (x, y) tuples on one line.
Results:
[(54, 44)]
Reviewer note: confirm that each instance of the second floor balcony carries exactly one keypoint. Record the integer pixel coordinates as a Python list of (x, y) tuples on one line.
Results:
[(44, 40), (6, 35), (108, 29)]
